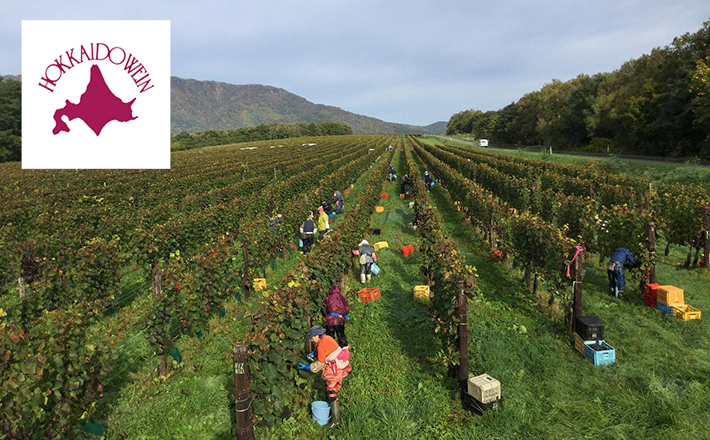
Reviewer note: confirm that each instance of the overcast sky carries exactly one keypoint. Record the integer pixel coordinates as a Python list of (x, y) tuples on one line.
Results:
[(413, 62)]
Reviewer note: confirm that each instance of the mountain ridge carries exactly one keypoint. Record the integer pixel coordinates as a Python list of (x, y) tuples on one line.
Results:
[(235, 106)]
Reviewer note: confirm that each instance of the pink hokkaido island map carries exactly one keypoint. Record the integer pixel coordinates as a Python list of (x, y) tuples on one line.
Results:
[(97, 106)]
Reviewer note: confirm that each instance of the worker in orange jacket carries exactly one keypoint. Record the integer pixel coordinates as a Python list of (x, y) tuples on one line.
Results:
[(334, 363)]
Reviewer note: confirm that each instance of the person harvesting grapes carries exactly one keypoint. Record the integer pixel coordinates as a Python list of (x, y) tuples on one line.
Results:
[(333, 362)]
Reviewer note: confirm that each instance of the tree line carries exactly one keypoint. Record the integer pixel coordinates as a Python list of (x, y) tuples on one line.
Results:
[(656, 105), (188, 141), (10, 120)]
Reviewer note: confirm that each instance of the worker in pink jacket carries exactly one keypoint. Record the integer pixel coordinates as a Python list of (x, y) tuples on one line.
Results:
[(336, 313)]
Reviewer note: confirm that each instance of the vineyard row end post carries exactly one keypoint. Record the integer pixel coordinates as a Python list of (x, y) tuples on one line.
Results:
[(463, 337), (242, 401), (577, 288), (156, 283)]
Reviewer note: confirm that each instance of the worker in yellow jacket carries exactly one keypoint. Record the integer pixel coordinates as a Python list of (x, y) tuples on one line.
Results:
[(323, 223)]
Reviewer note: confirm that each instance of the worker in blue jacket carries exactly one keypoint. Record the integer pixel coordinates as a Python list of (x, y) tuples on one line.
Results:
[(620, 259)]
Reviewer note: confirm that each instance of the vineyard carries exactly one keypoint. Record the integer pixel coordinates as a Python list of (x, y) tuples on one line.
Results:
[(124, 292)]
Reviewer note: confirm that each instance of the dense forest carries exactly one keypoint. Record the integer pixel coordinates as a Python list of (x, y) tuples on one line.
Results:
[(188, 141), (10, 120), (656, 105)]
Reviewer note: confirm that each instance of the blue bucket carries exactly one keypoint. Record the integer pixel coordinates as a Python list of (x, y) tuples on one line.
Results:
[(375, 269), (321, 412)]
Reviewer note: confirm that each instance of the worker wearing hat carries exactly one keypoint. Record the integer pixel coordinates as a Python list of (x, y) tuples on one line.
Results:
[(334, 363), (367, 257)]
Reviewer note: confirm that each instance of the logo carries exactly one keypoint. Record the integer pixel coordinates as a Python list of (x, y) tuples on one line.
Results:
[(96, 94)]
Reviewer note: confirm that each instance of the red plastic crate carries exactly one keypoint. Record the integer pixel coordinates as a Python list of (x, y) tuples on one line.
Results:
[(408, 249), (650, 294), (383, 195)]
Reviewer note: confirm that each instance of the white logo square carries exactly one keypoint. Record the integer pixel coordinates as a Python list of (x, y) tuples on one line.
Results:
[(96, 94)]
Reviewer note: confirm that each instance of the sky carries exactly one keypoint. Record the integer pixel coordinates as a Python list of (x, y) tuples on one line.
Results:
[(412, 62)]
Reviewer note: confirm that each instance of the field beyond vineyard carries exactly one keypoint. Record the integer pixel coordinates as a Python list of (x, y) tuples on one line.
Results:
[(125, 291)]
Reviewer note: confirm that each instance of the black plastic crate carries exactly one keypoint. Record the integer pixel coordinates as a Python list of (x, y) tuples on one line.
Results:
[(375, 231), (589, 327), (474, 406)]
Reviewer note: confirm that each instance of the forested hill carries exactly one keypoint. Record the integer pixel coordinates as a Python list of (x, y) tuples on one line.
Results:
[(210, 105), (656, 105)]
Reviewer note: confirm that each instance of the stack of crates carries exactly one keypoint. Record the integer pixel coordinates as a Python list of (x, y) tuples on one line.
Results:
[(671, 301), (589, 340), (667, 298), (483, 393), (650, 294)]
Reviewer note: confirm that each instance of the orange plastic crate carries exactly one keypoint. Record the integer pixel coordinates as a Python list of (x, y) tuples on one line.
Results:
[(670, 295), (369, 294), (379, 209)]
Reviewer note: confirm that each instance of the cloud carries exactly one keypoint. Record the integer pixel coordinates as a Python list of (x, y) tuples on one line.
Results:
[(414, 62)]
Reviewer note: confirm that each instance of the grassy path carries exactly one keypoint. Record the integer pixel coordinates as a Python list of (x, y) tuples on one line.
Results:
[(393, 391)]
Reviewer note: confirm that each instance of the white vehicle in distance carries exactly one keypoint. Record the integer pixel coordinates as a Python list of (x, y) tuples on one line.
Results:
[(483, 142)]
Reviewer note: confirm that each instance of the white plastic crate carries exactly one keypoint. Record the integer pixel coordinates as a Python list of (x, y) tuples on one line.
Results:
[(484, 388)]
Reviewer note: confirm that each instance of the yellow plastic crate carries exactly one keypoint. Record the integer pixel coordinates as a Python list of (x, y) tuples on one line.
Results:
[(686, 312), (422, 292), (379, 209), (670, 295), (579, 343), (380, 244), (259, 284)]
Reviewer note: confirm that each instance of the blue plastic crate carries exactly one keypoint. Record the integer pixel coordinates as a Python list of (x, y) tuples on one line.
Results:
[(600, 357), (664, 308)]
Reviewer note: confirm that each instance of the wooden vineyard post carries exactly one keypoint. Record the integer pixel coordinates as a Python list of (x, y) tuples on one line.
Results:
[(155, 281), (577, 288), (242, 402), (155, 285), (492, 238), (245, 271), (706, 239), (21, 287), (463, 337), (652, 251)]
